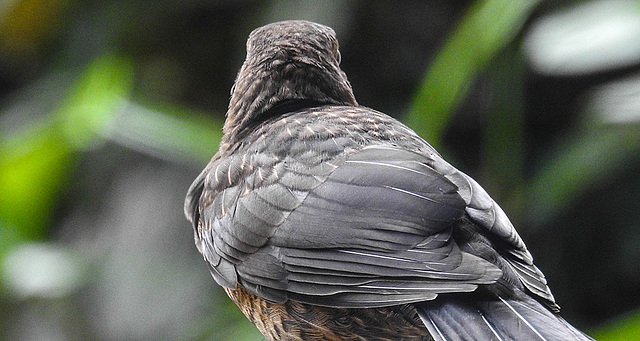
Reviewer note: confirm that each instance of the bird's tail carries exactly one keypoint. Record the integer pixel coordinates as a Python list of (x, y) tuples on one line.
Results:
[(494, 319)]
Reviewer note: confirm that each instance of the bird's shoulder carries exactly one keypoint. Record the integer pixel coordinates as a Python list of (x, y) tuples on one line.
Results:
[(313, 141)]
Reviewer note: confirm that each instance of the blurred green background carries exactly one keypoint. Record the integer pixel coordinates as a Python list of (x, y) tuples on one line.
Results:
[(109, 109)]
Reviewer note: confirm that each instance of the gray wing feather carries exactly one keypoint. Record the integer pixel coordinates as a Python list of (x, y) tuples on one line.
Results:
[(376, 231), (494, 318), (485, 212)]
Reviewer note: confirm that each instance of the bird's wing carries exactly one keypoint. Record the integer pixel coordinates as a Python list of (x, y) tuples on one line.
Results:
[(495, 225), (372, 229)]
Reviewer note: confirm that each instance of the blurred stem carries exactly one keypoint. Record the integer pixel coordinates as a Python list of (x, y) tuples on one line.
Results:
[(503, 140), (162, 133), (485, 29)]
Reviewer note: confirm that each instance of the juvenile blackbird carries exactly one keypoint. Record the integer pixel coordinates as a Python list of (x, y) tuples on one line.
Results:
[(326, 220)]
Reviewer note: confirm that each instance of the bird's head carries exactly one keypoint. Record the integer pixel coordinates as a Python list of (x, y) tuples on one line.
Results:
[(287, 60), (294, 41)]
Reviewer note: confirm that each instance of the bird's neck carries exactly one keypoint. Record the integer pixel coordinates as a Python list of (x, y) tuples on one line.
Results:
[(261, 94)]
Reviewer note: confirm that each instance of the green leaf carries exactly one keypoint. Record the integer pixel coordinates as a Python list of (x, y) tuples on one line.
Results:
[(624, 329), (487, 27), (32, 171), (95, 99), (37, 159)]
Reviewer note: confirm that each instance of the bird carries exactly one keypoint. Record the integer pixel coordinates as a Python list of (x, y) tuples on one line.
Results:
[(326, 220)]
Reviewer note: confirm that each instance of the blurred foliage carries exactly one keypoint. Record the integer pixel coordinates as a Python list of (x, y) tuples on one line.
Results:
[(36, 158), (626, 328), (111, 108), (482, 34)]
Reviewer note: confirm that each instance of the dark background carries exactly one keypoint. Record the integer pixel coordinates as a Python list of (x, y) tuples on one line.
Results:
[(109, 109)]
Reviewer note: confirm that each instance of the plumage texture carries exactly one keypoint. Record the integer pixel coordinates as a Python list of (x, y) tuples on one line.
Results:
[(326, 220)]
